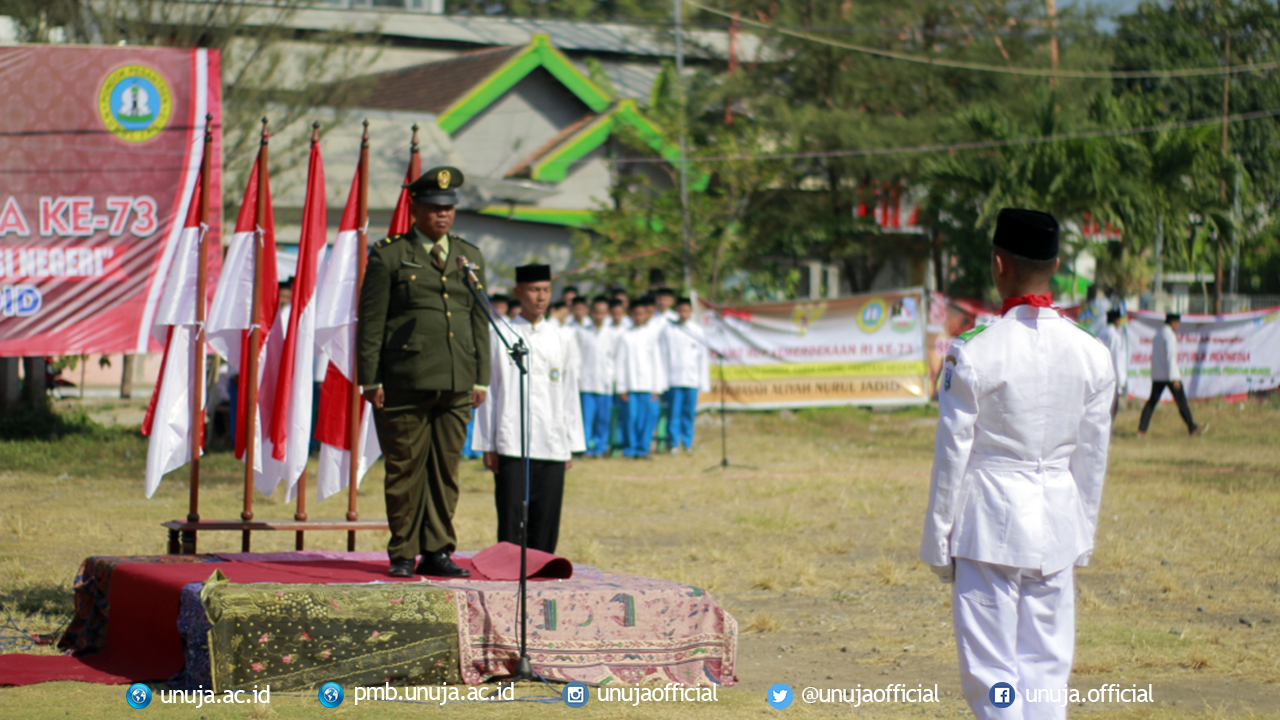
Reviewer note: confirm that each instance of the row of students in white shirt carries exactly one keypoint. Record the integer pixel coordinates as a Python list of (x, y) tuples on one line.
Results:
[(640, 362)]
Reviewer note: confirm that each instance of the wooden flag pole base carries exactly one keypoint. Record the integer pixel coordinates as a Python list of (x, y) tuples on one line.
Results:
[(182, 534)]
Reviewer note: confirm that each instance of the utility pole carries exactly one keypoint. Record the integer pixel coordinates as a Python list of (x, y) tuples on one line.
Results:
[(1217, 246), (1051, 9), (684, 174)]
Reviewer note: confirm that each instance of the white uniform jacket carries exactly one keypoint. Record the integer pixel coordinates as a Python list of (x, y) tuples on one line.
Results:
[(554, 419), (1117, 341), (597, 348), (685, 354), (1021, 448), (639, 362), (1164, 356)]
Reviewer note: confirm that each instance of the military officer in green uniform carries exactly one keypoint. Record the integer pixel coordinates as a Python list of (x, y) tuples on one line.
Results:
[(423, 364)]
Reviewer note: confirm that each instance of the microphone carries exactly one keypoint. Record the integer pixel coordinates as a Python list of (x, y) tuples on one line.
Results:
[(468, 271)]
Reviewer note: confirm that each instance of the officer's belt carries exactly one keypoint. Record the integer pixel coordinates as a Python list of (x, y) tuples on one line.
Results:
[(979, 461)]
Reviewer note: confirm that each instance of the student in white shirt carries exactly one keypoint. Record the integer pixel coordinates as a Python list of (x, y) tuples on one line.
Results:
[(641, 378), (597, 344), (553, 420), (580, 312), (665, 300), (620, 317), (1165, 373), (619, 323), (688, 372), (1114, 337)]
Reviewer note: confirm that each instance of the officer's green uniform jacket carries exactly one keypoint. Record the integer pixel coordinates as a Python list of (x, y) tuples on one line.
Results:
[(420, 329)]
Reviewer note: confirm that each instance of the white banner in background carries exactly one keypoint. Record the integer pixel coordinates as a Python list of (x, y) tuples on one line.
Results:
[(1218, 355)]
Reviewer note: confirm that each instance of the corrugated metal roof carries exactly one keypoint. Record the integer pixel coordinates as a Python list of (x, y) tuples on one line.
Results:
[(568, 35)]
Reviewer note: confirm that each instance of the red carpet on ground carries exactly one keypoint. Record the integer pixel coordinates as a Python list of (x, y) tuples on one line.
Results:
[(142, 635)]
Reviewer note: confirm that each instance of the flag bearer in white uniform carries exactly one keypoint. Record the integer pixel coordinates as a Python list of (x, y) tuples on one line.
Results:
[(1019, 459), (553, 420)]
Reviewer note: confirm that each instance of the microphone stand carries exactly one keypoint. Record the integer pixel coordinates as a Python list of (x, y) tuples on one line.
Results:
[(724, 436), (518, 352)]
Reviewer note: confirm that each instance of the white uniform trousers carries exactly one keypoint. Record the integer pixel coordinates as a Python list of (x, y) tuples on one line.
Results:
[(1017, 626)]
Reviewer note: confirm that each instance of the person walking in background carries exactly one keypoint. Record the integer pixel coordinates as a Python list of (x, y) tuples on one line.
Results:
[(1117, 341), (1165, 373), (597, 346), (688, 372)]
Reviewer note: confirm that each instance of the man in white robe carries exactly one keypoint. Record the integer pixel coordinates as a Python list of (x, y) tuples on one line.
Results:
[(553, 423)]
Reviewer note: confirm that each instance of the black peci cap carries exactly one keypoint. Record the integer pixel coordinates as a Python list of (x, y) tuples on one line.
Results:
[(1027, 233), (1114, 315), (533, 273), (1172, 317), (436, 186)]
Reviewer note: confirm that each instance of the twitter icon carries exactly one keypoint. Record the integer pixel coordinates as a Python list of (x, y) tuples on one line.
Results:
[(779, 696)]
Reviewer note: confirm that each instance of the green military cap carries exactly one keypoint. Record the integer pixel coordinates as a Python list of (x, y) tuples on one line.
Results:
[(436, 186)]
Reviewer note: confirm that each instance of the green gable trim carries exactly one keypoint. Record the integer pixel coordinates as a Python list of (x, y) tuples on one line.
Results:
[(549, 216), (555, 168), (539, 54)]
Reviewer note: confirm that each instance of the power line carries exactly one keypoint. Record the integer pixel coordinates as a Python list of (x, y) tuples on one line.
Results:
[(977, 144), (1005, 70)]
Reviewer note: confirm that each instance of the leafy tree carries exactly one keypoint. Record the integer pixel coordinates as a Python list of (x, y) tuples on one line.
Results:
[(1206, 33)]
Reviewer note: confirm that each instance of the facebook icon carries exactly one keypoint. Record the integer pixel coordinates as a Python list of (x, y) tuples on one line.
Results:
[(1001, 695)]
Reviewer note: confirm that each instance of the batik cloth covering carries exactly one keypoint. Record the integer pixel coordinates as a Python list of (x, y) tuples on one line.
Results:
[(298, 637)]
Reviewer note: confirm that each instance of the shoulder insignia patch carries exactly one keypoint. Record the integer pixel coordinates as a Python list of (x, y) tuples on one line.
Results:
[(970, 334), (388, 240)]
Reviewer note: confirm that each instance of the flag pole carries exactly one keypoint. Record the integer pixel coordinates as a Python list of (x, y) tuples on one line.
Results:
[(198, 376), (255, 337), (353, 417), (301, 513)]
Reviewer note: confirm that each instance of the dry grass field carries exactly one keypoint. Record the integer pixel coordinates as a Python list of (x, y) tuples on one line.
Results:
[(814, 552)]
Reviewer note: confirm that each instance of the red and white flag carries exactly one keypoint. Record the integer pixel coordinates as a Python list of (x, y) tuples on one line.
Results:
[(335, 338), (168, 419), (230, 315), (290, 427), (402, 218)]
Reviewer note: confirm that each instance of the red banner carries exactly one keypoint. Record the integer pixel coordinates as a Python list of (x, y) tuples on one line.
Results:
[(99, 151)]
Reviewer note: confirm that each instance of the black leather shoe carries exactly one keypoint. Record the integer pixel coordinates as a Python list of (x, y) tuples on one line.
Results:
[(401, 568), (439, 564)]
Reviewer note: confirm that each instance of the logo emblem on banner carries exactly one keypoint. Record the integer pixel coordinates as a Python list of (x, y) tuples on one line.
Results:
[(872, 315), (805, 315), (903, 315), (135, 103)]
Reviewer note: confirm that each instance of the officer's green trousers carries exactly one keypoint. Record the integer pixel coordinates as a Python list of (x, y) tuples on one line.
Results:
[(422, 433)]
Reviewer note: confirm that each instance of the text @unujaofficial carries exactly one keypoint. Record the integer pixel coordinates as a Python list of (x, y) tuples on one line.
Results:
[(894, 693)]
